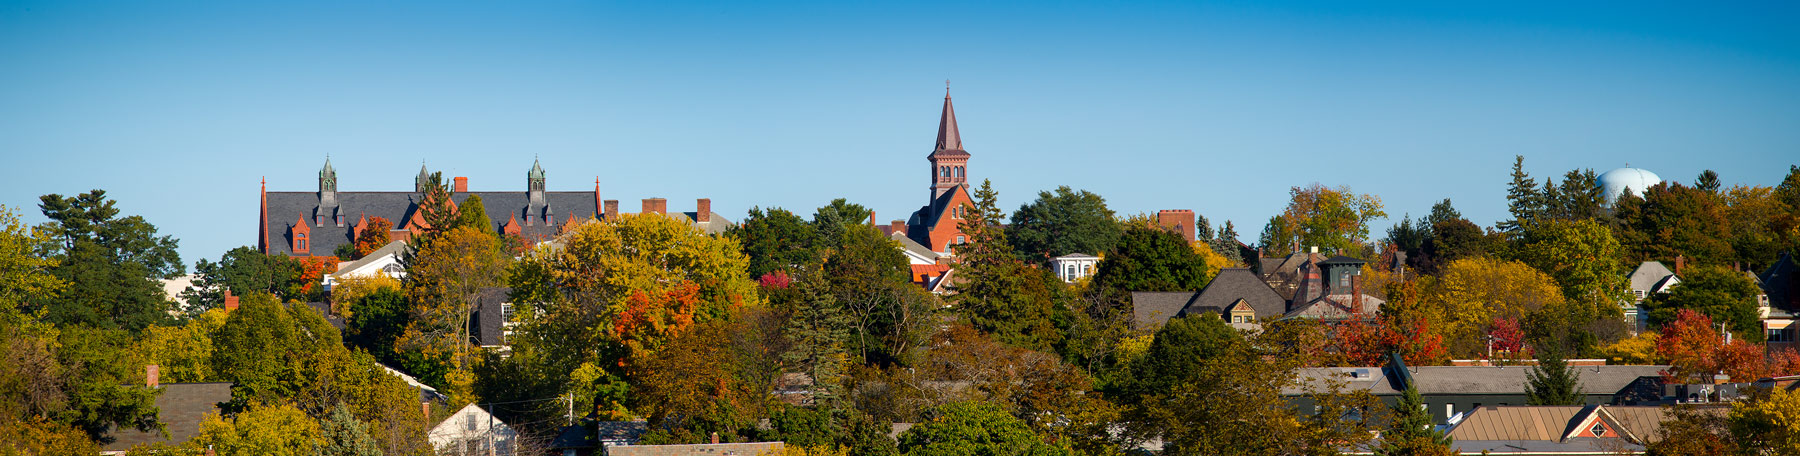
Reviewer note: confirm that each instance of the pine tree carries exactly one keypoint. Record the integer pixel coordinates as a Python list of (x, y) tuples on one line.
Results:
[(474, 215), (819, 330), (1708, 181), (1523, 199), (1552, 382), (1410, 432), (343, 435)]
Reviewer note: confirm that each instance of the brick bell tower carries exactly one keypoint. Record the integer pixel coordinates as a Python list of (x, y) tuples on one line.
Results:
[(948, 159)]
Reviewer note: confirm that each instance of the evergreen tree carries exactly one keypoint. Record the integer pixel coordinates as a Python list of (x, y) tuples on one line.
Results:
[(1523, 199), (110, 263), (1441, 212), (999, 293), (437, 208), (1410, 432), (341, 434), (1552, 382), (819, 330), (1708, 181), (1060, 223), (1202, 227)]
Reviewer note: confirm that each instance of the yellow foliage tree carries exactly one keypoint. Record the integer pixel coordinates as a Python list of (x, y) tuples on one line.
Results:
[(1470, 293), (348, 290), (1214, 261), (1634, 350), (1772, 423), (184, 352), (279, 430)]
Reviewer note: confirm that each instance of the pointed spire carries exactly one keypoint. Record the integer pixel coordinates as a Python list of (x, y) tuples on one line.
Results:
[(948, 138), (327, 171), (537, 172)]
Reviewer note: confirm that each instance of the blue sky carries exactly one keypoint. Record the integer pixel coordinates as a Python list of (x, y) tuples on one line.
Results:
[(178, 108)]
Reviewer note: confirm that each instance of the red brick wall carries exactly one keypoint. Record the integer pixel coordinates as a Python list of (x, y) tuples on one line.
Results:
[(1181, 221)]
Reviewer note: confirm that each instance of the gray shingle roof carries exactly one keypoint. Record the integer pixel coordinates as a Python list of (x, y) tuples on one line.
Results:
[(490, 324), (1782, 283), (1648, 275), (1150, 309), (715, 449), (1595, 380), (1233, 284), (287, 207), (181, 407)]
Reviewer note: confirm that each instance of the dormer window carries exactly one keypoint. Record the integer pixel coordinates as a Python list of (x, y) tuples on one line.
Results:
[(300, 242), (1599, 429), (340, 220)]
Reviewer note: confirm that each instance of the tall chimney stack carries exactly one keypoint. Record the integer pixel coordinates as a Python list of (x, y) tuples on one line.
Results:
[(462, 185), (872, 218), (231, 302), (656, 205), (703, 210), (612, 208), (152, 375), (1680, 263)]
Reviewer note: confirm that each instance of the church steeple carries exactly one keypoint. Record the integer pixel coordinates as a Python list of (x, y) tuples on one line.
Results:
[(424, 180), (327, 178), (948, 159)]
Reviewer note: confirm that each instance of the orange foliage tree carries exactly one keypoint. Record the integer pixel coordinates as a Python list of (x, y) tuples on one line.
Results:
[(373, 237), (312, 273), (651, 318), (1364, 342)]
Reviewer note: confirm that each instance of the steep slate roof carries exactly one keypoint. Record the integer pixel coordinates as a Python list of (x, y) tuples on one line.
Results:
[(1648, 275), (181, 407), (1337, 307), (397, 207), (1150, 309), (713, 449), (1782, 283), (489, 322), (919, 225), (1233, 284), (717, 225), (949, 140)]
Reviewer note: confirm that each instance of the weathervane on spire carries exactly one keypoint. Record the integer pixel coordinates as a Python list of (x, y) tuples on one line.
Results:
[(946, 87)]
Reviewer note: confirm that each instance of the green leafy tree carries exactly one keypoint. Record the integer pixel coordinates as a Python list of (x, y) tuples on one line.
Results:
[(1149, 259), (1063, 222), (1410, 432), (268, 350), (868, 278), (1579, 197), (444, 278), (1553, 381), (241, 270), (1718, 292), (376, 322), (1584, 258), (970, 429), (111, 264), (103, 388), (471, 213), (818, 327), (1331, 219), (276, 430), (998, 293), (774, 239)]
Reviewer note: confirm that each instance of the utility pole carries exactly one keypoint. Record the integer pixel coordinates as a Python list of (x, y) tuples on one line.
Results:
[(571, 398)]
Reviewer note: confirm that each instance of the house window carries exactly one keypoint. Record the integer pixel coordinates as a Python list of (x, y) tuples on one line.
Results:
[(1778, 335), (469, 423), (1069, 272), (1599, 430), (959, 172), (959, 239), (300, 242), (340, 220)]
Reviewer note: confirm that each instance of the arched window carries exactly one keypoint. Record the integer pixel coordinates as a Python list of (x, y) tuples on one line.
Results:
[(300, 242), (959, 172)]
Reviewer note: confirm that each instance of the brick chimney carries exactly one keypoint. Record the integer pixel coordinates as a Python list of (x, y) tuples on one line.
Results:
[(231, 302), (703, 210), (612, 208), (1680, 263), (897, 226), (715, 438), (462, 185), (426, 407), (656, 205), (872, 218), (152, 374), (1356, 291)]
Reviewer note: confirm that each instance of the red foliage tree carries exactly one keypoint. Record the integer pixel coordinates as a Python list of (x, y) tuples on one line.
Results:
[(1362, 342), (1696, 351), (1508, 338)]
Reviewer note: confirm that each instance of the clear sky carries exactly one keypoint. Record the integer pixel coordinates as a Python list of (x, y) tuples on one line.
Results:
[(178, 108)]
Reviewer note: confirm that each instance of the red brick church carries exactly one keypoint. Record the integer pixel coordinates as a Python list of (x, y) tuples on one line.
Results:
[(934, 225)]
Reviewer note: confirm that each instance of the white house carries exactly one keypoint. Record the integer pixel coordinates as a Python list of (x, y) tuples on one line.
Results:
[(1648, 280), (383, 261), (915, 253), (472, 431), (1074, 266)]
